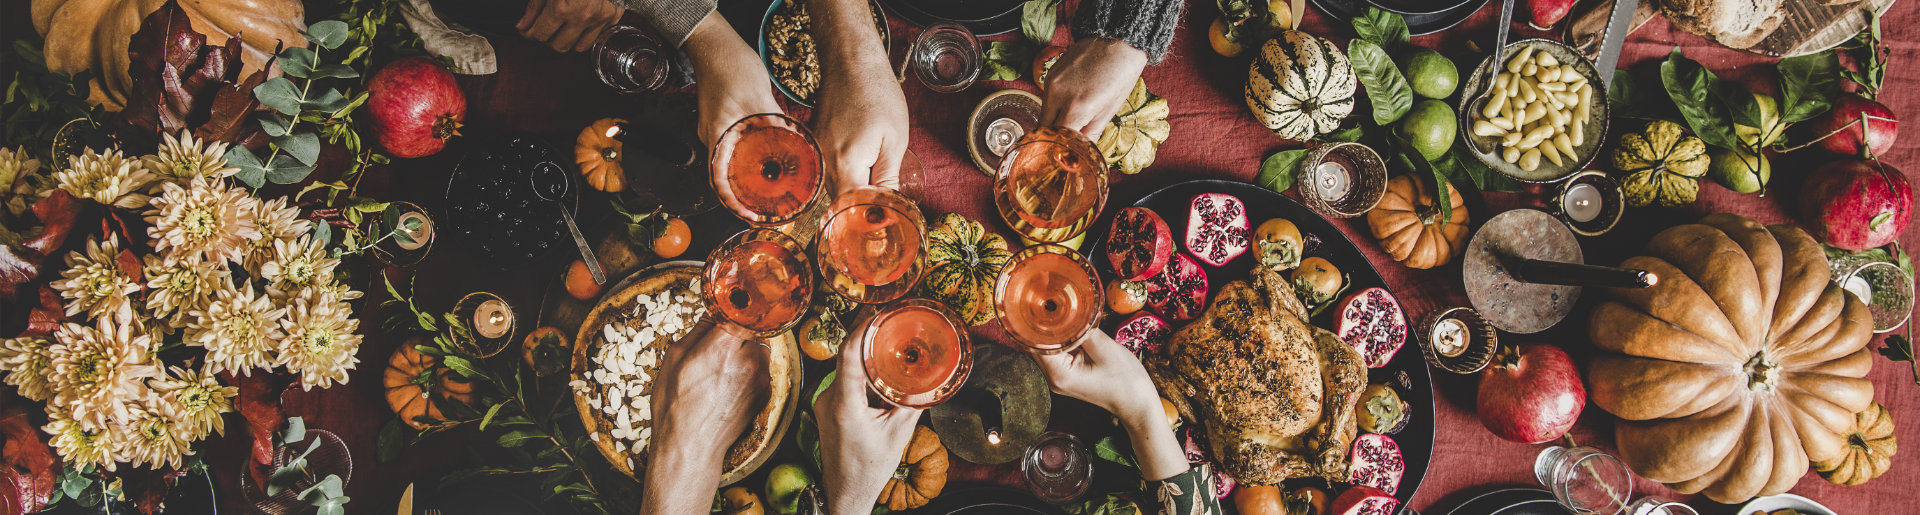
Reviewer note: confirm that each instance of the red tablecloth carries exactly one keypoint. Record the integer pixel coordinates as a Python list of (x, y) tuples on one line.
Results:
[(1213, 137)]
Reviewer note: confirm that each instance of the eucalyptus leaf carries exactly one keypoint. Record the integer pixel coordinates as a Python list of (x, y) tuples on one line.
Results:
[(491, 412), (517, 438), (327, 101), (323, 232), (1691, 87), (1808, 85), (1387, 90), (333, 71), (252, 173), (303, 146), (296, 430), (287, 170), (1279, 170), (1038, 19), (296, 62), (1386, 29), (328, 34), (280, 95), (275, 124)]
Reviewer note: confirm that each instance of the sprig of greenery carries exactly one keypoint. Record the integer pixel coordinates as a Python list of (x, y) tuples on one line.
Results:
[(40, 101), (328, 493), (1870, 55), (294, 148)]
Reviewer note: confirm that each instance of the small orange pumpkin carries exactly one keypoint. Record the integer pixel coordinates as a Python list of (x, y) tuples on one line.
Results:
[(598, 154), (1407, 222), (1869, 451), (922, 473), (407, 392)]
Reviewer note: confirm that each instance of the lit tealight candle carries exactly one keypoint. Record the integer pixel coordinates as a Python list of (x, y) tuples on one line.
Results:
[(1582, 203), (1331, 180), (1002, 134), (1449, 337), (493, 319), (993, 436), (419, 234)]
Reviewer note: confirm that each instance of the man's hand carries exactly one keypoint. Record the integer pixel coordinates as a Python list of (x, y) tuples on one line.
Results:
[(731, 81), (709, 385), (1087, 86), (862, 122), (860, 446), (568, 25)]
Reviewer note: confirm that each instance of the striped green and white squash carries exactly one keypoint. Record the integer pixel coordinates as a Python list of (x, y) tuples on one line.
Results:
[(1300, 85)]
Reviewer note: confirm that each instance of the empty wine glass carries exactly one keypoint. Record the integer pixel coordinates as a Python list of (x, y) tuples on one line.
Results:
[(1584, 479)]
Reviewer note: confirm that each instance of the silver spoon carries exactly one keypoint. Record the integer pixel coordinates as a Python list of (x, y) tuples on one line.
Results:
[(550, 183), (1499, 54)]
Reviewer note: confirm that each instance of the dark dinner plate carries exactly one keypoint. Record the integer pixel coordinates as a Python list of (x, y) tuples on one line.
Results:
[(1512, 501), (991, 500), (1419, 6), (1416, 439), (1418, 24), (983, 17)]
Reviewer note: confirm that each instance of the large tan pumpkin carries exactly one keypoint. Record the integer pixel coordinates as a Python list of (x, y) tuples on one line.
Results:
[(94, 34), (1743, 364)]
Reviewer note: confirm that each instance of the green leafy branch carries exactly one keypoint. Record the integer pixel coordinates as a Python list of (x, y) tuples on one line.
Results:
[(328, 493), (40, 101), (1870, 55), (295, 149)]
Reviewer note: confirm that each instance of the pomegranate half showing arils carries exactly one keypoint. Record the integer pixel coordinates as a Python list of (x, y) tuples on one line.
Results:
[(1371, 321), (1376, 462), (1217, 228), (1179, 293), (1143, 333), (1139, 244), (1365, 500)]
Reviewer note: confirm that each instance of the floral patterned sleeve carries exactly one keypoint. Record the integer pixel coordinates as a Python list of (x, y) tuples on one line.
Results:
[(1189, 493)]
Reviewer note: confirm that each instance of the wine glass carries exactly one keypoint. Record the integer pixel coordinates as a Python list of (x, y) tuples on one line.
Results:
[(872, 246), (1048, 297), (915, 353), (1051, 185), (767, 169), (760, 280)]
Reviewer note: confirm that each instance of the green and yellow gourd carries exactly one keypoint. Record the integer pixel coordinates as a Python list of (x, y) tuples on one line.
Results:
[(1663, 165), (1300, 86), (965, 260)]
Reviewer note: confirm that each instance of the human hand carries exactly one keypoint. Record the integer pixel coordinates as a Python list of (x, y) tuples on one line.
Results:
[(1105, 374), (708, 386), (732, 83), (568, 25), (860, 445), (862, 121), (1087, 86)]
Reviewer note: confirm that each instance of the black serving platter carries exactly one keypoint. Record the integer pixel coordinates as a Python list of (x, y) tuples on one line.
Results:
[(983, 17), (987, 500), (1512, 501), (1418, 24), (1327, 242), (491, 207), (1419, 6)]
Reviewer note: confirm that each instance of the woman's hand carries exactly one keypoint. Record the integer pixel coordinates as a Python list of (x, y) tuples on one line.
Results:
[(568, 25), (709, 385), (1087, 86), (860, 445), (730, 80), (862, 121), (1105, 374)]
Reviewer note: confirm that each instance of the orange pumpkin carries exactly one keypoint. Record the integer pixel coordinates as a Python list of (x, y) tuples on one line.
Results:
[(94, 35), (598, 154), (922, 473), (1870, 448), (407, 392), (1409, 226)]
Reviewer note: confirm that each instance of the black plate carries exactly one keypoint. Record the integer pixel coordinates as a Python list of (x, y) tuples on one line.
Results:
[(987, 501), (1512, 501), (1419, 6), (491, 205), (1416, 440), (983, 17), (1418, 24)]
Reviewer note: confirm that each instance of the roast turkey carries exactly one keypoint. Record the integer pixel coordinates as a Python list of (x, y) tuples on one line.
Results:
[(1274, 395)]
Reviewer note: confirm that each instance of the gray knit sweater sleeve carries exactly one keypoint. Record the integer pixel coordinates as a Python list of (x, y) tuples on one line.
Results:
[(1144, 24), (670, 19)]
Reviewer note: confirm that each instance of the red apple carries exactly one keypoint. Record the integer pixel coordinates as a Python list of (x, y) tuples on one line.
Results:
[(1530, 393), (1880, 129), (1546, 13), (415, 107), (1857, 205)]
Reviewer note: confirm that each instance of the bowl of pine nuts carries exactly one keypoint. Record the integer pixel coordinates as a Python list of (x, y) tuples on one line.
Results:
[(1546, 116)]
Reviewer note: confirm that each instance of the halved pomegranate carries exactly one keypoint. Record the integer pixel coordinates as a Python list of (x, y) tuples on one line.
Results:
[(1179, 292), (1139, 244), (1143, 333), (1365, 500), (1216, 228), (1370, 320), (1376, 462)]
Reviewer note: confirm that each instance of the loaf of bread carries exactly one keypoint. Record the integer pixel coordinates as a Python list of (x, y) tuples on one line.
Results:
[(1734, 23)]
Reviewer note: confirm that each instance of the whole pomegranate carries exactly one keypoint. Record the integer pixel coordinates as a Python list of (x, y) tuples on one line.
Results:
[(1857, 205), (415, 106), (1880, 129), (1530, 393)]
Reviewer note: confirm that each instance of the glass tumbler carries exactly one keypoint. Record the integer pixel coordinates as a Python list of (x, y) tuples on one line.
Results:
[(947, 58)]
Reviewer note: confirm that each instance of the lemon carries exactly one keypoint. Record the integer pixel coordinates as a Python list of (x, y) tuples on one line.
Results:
[(1429, 126), (1739, 170), (1432, 75)]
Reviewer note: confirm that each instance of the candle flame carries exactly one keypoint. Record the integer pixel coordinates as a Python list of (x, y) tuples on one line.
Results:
[(993, 436)]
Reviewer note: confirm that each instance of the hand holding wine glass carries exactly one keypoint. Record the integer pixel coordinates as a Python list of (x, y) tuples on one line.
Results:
[(860, 445), (731, 82), (1089, 83), (709, 385), (1105, 374), (862, 119)]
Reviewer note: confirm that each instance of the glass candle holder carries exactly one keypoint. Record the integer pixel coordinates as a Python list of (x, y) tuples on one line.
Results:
[(324, 454), (489, 322), (1052, 185), (1584, 479), (767, 169), (760, 280), (872, 245), (1590, 203), (946, 57), (413, 234), (1458, 340), (1058, 468), (1883, 287), (1342, 180), (916, 353), (630, 61), (1048, 297)]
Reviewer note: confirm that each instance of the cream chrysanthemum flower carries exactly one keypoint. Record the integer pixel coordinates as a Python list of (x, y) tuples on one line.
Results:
[(296, 265), (25, 362), (275, 221), (98, 371), (183, 159), (239, 328), (18, 182), (156, 435), (109, 178), (15, 163), (320, 342), (204, 218), (79, 445), (201, 399), (179, 286), (94, 283)]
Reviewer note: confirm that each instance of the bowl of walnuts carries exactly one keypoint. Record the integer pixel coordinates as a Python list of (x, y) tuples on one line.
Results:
[(788, 48)]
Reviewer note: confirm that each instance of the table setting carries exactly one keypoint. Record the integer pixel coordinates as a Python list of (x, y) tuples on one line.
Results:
[(1618, 257)]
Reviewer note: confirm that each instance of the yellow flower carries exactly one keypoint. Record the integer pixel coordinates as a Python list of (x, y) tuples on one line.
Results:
[(201, 400), (79, 445), (98, 371), (25, 362), (320, 342), (238, 327), (14, 163), (156, 435), (276, 222), (183, 159), (109, 178), (296, 265), (204, 218), (94, 283), (178, 286)]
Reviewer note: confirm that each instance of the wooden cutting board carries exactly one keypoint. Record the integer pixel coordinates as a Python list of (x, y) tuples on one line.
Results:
[(1811, 26)]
